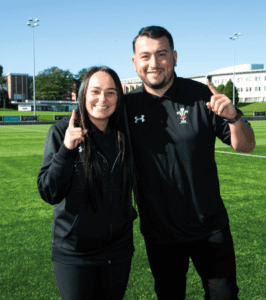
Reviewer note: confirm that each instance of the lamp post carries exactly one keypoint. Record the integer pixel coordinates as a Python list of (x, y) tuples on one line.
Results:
[(234, 37), (32, 24)]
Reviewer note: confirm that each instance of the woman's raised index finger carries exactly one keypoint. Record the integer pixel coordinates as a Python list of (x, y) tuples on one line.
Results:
[(72, 118), (212, 88)]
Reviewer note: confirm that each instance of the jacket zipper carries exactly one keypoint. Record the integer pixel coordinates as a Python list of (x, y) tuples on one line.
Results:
[(109, 261)]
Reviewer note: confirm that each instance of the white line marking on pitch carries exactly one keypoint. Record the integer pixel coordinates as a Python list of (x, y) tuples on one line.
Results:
[(241, 154), (24, 129)]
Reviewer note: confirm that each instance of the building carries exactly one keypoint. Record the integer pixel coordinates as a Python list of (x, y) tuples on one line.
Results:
[(50, 105), (130, 84), (18, 87), (250, 81)]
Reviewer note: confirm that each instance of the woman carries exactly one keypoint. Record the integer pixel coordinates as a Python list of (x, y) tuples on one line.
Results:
[(91, 187)]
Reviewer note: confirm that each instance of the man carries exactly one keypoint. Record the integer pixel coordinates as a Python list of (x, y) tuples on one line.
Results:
[(174, 123)]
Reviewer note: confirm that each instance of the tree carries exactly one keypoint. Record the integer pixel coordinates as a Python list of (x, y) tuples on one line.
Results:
[(228, 91), (2, 82), (53, 83), (220, 89)]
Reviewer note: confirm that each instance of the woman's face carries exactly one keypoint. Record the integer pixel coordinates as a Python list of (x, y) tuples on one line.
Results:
[(101, 97)]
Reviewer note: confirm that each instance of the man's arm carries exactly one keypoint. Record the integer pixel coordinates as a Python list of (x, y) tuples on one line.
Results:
[(242, 136)]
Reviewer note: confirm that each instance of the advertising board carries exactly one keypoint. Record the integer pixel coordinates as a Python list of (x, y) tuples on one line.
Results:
[(12, 119)]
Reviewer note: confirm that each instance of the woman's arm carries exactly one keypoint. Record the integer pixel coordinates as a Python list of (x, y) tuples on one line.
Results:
[(55, 176)]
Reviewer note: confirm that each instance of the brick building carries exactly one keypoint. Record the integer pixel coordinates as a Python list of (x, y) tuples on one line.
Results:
[(18, 86)]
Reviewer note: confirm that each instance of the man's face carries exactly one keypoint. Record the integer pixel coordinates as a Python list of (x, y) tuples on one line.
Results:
[(154, 61)]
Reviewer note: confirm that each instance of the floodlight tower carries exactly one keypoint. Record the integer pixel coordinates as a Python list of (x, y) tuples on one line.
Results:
[(234, 37), (33, 24)]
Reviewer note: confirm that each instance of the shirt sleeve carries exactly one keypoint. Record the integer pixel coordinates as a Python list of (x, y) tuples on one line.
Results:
[(246, 123), (222, 129), (54, 178)]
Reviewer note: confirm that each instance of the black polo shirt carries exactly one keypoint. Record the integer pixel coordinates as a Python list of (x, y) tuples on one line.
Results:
[(173, 139)]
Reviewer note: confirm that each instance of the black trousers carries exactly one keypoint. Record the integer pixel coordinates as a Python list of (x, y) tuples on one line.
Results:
[(213, 258), (92, 283)]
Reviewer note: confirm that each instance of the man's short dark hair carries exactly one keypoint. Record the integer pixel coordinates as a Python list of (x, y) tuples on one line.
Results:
[(154, 32)]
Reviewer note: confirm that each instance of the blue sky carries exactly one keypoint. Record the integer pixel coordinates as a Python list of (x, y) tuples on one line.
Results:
[(78, 34)]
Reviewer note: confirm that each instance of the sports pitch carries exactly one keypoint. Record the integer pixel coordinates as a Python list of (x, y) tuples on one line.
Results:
[(26, 269)]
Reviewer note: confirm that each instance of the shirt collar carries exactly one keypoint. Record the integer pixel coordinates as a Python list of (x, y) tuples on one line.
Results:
[(95, 129), (169, 94)]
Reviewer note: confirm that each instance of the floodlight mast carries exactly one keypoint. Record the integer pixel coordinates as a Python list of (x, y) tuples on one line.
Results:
[(233, 38), (32, 24)]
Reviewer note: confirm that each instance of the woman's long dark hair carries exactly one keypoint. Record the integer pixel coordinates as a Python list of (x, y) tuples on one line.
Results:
[(118, 122)]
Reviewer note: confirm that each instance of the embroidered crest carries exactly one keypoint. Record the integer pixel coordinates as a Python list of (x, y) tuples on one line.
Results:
[(182, 113)]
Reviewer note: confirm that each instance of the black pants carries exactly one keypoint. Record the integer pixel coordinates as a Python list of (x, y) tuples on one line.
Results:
[(213, 258), (92, 283)]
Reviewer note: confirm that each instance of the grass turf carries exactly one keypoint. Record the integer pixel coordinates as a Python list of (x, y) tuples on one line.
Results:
[(247, 108), (26, 270)]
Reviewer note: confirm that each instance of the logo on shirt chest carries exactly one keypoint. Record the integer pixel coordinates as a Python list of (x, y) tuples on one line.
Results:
[(140, 119), (182, 114)]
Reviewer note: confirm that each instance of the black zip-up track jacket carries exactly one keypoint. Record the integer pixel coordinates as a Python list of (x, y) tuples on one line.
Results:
[(81, 236)]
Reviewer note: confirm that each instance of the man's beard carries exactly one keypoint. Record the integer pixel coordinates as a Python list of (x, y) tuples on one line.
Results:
[(160, 85)]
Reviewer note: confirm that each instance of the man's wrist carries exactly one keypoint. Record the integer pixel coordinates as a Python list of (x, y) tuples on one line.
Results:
[(235, 119)]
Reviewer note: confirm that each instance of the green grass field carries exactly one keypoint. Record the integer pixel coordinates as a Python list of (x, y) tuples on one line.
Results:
[(26, 269), (247, 108)]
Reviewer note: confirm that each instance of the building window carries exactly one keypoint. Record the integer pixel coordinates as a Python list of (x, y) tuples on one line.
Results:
[(257, 78), (250, 89), (265, 78), (246, 89), (126, 89), (265, 88)]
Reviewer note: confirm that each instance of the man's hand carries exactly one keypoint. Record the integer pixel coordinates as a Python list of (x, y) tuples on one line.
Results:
[(220, 104), (73, 136)]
